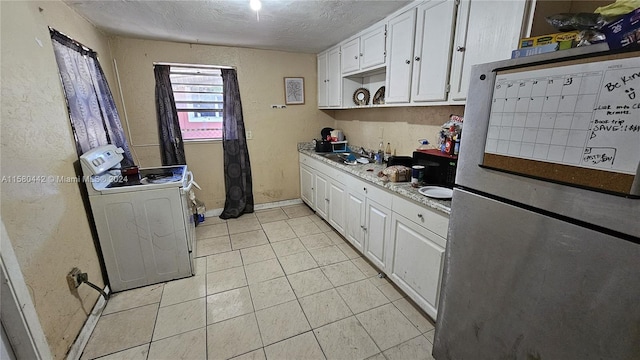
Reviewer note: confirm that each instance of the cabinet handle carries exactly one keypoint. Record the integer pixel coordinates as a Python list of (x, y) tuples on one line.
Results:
[(365, 189), (407, 61), (417, 58), (327, 200), (356, 57), (420, 216), (460, 48), (364, 228)]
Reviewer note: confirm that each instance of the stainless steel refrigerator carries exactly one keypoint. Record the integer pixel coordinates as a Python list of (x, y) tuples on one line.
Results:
[(543, 257)]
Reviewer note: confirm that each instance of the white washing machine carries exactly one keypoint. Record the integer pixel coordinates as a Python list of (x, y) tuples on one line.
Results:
[(145, 226)]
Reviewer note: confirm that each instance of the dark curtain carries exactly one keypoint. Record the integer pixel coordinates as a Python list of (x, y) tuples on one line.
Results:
[(237, 168), (92, 111), (171, 145)]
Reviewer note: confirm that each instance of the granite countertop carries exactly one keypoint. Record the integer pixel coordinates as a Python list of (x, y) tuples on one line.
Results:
[(360, 170)]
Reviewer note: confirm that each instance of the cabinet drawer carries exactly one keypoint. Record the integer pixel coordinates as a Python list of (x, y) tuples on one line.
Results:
[(430, 219), (307, 160), (371, 191)]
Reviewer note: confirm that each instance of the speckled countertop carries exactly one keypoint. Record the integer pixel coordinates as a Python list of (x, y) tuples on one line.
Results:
[(403, 188)]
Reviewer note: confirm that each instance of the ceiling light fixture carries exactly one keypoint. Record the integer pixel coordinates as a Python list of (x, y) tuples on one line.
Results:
[(256, 5)]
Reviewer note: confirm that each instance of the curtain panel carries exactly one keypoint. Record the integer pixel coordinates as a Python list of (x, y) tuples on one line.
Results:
[(170, 136), (237, 167), (92, 111)]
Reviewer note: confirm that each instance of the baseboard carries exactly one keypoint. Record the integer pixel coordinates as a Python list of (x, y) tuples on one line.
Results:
[(217, 212), (83, 337)]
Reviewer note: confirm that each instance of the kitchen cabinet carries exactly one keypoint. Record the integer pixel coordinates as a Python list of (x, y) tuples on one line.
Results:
[(364, 52), (307, 179), (337, 199), (402, 238), (329, 78), (377, 234), (419, 52), (356, 219), (486, 31), (322, 195), (432, 51), (401, 37), (418, 252)]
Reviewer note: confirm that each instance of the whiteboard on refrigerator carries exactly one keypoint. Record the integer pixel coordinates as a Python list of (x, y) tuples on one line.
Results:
[(584, 115)]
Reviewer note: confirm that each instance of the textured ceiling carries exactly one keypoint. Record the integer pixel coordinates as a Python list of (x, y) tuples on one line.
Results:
[(298, 26)]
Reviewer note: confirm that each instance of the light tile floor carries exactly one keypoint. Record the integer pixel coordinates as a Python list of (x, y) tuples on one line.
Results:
[(276, 284)]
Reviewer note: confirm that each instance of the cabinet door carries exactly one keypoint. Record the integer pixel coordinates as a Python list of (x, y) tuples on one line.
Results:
[(432, 51), (350, 56), (372, 48), (306, 185), (322, 80), (400, 55), (486, 31), (337, 196), (355, 222), (417, 262), (378, 230), (334, 78), (322, 196)]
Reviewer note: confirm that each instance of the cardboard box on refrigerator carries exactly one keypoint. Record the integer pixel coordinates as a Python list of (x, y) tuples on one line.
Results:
[(624, 31), (565, 40)]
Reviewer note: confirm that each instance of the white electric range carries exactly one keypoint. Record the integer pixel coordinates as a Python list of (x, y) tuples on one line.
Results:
[(145, 226)]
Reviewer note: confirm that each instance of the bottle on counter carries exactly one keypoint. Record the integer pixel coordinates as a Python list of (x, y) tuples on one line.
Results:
[(380, 154), (387, 151)]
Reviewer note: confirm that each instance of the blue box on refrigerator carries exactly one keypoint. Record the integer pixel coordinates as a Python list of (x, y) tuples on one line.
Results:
[(624, 31)]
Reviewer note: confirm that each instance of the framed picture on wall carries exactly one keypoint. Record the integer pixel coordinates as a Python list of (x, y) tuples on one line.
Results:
[(294, 90)]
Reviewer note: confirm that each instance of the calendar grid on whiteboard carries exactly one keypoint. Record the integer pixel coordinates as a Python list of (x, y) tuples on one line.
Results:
[(549, 115)]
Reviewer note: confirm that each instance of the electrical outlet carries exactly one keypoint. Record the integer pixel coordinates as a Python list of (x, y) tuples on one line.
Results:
[(278, 106), (73, 278), (249, 134)]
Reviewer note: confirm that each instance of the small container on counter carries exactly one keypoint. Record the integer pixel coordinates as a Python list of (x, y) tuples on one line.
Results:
[(417, 175)]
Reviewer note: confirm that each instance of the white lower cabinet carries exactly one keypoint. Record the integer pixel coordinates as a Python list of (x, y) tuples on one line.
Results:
[(416, 262), (337, 198), (402, 238), (322, 196), (355, 219), (307, 181), (377, 234)]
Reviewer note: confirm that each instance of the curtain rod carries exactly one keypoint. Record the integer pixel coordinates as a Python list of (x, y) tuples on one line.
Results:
[(195, 65)]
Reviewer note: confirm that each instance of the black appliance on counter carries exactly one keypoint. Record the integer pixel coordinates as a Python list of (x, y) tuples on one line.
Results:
[(323, 144), (439, 168)]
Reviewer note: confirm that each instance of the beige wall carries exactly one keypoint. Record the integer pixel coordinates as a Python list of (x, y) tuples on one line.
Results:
[(276, 132), (402, 127), (46, 222)]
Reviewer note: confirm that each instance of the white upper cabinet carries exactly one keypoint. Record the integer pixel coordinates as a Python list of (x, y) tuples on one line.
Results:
[(373, 47), (419, 53), (322, 80), (350, 56), (364, 52), (329, 78), (486, 31), (434, 35), (401, 37)]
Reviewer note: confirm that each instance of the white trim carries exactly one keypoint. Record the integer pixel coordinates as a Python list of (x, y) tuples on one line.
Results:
[(217, 212), (24, 319), (85, 333)]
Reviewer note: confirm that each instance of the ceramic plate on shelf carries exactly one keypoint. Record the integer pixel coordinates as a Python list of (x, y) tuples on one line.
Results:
[(363, 160), (361, 96), (378, 98), (436, 192)]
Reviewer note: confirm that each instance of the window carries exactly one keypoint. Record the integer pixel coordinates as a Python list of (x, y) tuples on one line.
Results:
[(198, 95)]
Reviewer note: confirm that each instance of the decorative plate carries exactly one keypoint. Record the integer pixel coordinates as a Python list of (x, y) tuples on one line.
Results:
[(361, 96), (378, 98)]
